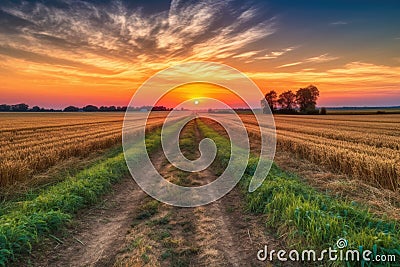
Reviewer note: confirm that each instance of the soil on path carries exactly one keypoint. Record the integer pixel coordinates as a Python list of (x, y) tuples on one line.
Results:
[(95, 233)]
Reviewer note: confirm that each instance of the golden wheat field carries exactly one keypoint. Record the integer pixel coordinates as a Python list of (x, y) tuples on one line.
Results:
[(363, 147), (30, 143)]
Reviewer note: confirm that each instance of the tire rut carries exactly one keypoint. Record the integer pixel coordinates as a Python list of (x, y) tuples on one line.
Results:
[(95, 233)]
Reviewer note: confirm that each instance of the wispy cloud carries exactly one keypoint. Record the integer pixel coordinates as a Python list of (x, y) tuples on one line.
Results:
[(276, 54), (321, 58), (339, 22), (83, 38), (317, 59), (353, 74), (290, 64), (246, 54)]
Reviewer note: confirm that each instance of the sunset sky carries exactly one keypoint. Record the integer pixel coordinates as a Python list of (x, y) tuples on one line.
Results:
[(59, 53)]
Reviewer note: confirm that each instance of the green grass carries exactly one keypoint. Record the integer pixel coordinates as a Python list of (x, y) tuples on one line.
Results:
[(148, 209), (186, 142), (308, 219), (13, 202), (28, 220)]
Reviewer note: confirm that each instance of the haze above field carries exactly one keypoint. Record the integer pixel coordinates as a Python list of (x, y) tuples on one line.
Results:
[(59, 53)]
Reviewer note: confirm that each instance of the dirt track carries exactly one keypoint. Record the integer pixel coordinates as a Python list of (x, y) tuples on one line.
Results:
[(130, 229), (95, 234)]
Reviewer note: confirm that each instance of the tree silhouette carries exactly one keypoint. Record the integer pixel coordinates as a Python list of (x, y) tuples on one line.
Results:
[(5, 107), (271, 98), (306, 98), (71, 109), (90, 108), (20, 107), (106, 109), (35, 109), (287, 100)]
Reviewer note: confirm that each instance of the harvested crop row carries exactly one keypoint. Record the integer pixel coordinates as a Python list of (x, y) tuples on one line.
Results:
[(370, 158), (40, 145)]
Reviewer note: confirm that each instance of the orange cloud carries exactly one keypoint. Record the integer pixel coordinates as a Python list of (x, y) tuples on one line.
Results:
[(356, 81)]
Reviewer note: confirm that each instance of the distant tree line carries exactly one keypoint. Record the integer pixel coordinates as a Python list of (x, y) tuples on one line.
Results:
[(92, 108), (304, 101), (24, 108), (89, 108)]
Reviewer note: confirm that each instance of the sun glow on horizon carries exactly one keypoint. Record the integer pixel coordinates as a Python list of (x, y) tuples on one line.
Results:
[(198, 94)]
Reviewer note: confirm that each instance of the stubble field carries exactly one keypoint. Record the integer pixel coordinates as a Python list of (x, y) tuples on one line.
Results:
[(363, 147), (30, 143)]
